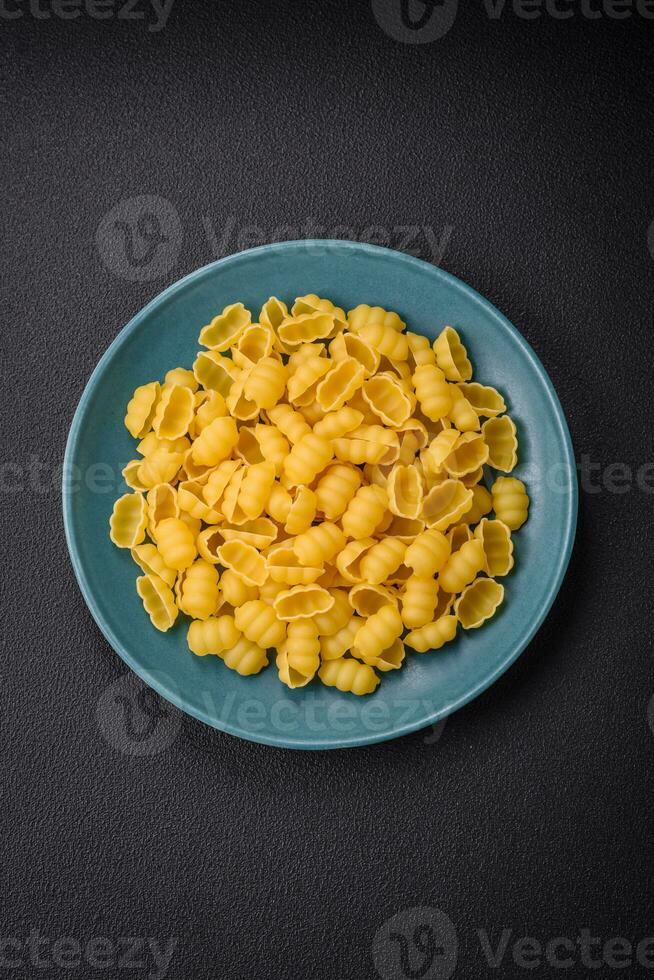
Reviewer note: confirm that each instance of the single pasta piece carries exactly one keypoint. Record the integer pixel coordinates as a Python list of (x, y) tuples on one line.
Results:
[(161, 466), (255, 488), (176, 543), (339, 384), (495, 537), (245, 561), (174, 412), (212, 636), (348, 676), (445, 504), (273, 445), (302, 602), (387, 399), (419, 600), (141, 408), (432, 391), (336, 488), (420, 350), (150, 562), (307, 458), (485, 401), (500, 436), (319, 544), (256, 342), (266, 383), (462, 566), (273, 312), (162, 503), (338, 423), (391, 658), (234, 590), (367, 599), (462, 414), (381, 560), (451, 356), (225, 329), (299, 659), (469, 453), (364, 315), (245, 657), (199, 590), (510, 501), (257, 621), (389, 342), (158, 601), (433, 636), (128, 520), (405, 492), (314, 304), (378, 632), (364, 512), (215, 372), (301, 512), (305, 328), (181, 376), (478, 602), (308, 372), (427, 554), (215, 442)]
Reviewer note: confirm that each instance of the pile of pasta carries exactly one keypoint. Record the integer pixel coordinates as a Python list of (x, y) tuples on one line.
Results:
[(314, 486)]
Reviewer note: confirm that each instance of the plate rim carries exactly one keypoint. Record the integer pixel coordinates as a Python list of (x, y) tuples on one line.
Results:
[(229, 727)]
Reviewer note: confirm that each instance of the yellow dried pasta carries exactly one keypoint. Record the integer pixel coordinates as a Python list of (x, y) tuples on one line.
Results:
[(317, 484)]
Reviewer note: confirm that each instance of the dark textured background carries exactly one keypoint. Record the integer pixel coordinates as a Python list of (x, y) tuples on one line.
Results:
[(526, 145)]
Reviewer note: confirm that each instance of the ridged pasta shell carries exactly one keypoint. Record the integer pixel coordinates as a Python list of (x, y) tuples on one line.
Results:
[(405, 492), (158, 601), (469, 453), (128, 520), (502, 442), (302, 602), (339, 384), (349, 345), (226, 328), (478, 602), (215, 372), (451, 356), (495, 537), (244, 560), (485, 400), (387, 399), (368, 599), (446, 504), (283, 566), (305, 328)]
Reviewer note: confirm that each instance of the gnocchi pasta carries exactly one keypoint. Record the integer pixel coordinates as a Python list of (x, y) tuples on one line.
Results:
[(315, 485)]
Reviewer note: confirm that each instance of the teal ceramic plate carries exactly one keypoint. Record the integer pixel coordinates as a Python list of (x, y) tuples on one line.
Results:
[(429, 686)]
